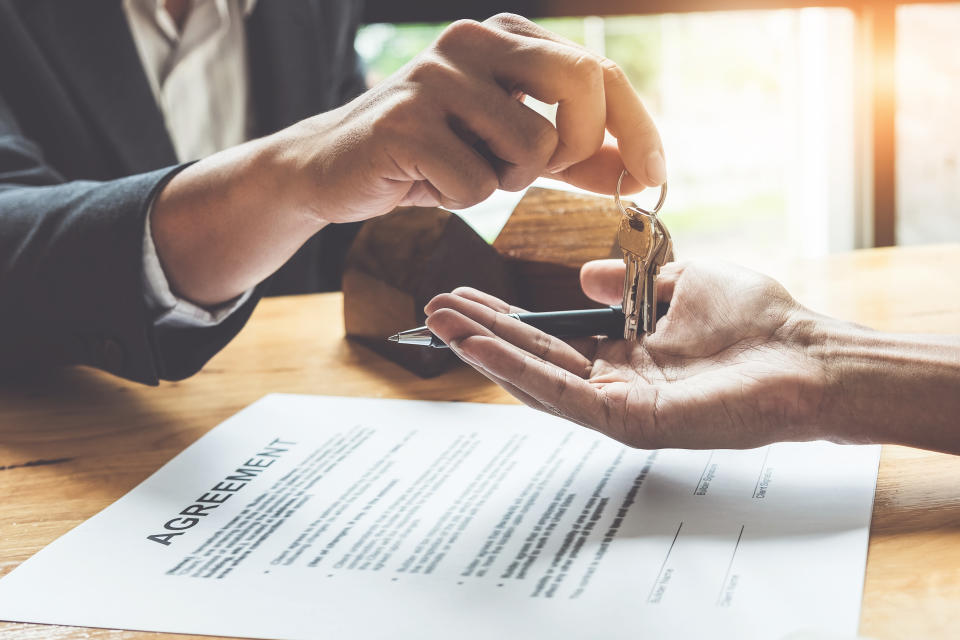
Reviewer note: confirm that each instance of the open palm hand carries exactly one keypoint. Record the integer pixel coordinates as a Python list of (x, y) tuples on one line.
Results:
[(728, 366)]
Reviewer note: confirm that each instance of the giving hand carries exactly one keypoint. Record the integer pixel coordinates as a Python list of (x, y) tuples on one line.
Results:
[(447, 129)]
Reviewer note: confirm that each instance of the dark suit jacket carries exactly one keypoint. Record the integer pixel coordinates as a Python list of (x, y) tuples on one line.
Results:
[(83, 149)]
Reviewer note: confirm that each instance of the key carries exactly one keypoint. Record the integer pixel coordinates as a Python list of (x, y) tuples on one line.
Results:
[(636, 238), (646, 245), (661, 254)]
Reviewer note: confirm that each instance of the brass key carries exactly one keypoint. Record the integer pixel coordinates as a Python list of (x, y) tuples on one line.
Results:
[(646, 245)]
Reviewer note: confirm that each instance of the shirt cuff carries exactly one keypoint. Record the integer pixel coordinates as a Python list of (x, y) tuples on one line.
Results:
[(168, 310)]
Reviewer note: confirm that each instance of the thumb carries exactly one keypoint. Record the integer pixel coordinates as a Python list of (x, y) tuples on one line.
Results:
[(602, 280)]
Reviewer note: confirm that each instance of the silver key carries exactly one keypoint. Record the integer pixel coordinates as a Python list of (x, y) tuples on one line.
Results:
[(636, 237), (662, 254), (646, 246)]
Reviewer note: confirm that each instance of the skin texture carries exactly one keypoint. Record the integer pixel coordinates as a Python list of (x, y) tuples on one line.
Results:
[(735, 363), (447, 129)]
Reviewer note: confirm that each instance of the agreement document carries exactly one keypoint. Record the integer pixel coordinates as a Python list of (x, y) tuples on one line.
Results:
[(306, 517)]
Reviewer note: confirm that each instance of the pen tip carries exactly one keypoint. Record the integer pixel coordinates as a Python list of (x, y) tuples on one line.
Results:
[(394, 338)]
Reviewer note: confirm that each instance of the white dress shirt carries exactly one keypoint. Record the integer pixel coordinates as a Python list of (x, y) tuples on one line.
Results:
[(199, 78)]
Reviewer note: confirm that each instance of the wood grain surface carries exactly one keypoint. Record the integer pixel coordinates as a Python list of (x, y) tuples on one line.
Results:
[(73, 441), (398, 262), (548, 236)]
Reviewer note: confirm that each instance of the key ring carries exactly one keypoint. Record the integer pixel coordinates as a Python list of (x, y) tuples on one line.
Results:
[(656, 208)]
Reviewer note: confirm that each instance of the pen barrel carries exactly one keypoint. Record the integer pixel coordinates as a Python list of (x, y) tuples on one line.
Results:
[(581, 323)]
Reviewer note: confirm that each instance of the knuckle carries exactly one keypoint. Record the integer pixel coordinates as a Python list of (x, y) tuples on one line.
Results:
[(613, 74), (428, 69), (509, 21), (459, 34), (589, 68), (541, 347), (560, 383)]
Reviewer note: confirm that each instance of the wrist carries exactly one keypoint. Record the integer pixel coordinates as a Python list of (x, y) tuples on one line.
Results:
[(225, 223), (302, 160), (804, 334), (831, 345), (887, 388), (275, 176)]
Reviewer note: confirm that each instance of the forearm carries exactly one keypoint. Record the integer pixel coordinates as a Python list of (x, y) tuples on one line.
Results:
[(891, 388), (227, 222)]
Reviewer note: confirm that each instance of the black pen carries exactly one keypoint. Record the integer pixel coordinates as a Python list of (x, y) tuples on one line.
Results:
[(561, 324)]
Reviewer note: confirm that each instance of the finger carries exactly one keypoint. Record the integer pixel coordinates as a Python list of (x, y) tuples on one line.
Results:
[(494, 303), (485, 298), (473, 318), (551, 71), (600, 172), (460, 175), (558, 391), (625, 115), (476, 295), (525, 398), (602, 280), (521, 26), (571, 79), (520, 140), (587, 347), (637, 137), (509, 388)]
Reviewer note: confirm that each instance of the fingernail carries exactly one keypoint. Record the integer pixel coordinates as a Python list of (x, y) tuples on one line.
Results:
[(656, 168), (558, 167)]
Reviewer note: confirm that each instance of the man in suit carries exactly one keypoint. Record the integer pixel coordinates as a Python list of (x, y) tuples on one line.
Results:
[(165, 163)]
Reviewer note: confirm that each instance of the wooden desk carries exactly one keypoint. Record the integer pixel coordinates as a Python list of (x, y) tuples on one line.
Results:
[(74, 441)]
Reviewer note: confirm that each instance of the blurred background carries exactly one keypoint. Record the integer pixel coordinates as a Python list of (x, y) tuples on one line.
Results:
[(790, 132)]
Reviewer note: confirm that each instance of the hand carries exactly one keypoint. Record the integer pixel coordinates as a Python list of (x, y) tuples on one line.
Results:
[(447, 129), (728, 366), (451, 126)]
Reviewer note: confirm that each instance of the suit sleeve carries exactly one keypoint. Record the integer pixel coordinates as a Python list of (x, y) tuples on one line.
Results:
[(71, 260)]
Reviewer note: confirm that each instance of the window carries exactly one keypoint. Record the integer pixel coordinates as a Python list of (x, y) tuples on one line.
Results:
[(928, 115), (756, 110)]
